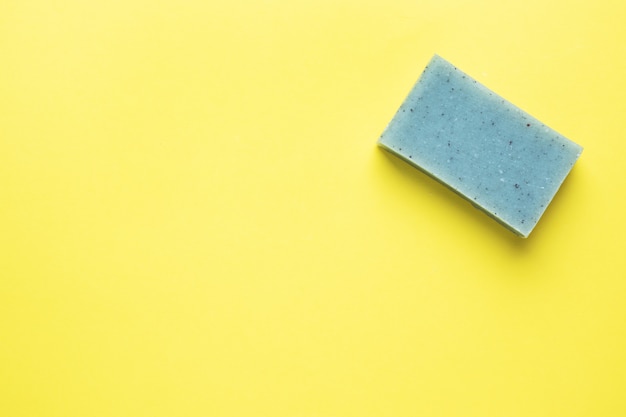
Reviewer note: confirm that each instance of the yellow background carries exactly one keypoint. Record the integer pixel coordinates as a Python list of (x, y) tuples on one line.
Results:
[(195, 219)]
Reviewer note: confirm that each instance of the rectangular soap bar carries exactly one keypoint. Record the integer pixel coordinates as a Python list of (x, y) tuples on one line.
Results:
[(494, 154)]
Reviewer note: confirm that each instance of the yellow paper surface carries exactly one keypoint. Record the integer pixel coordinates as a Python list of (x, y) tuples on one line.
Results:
[(195, 219)]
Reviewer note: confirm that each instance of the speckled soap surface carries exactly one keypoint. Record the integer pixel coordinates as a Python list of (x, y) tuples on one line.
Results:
[(500, 158)]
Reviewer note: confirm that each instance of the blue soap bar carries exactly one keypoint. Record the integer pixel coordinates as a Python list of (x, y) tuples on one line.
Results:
[(489, 151)]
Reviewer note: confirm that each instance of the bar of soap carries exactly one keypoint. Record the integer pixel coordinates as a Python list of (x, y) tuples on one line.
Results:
[(500, 158)]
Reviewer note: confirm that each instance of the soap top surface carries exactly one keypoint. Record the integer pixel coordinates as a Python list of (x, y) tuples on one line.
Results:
[(499, 157)]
